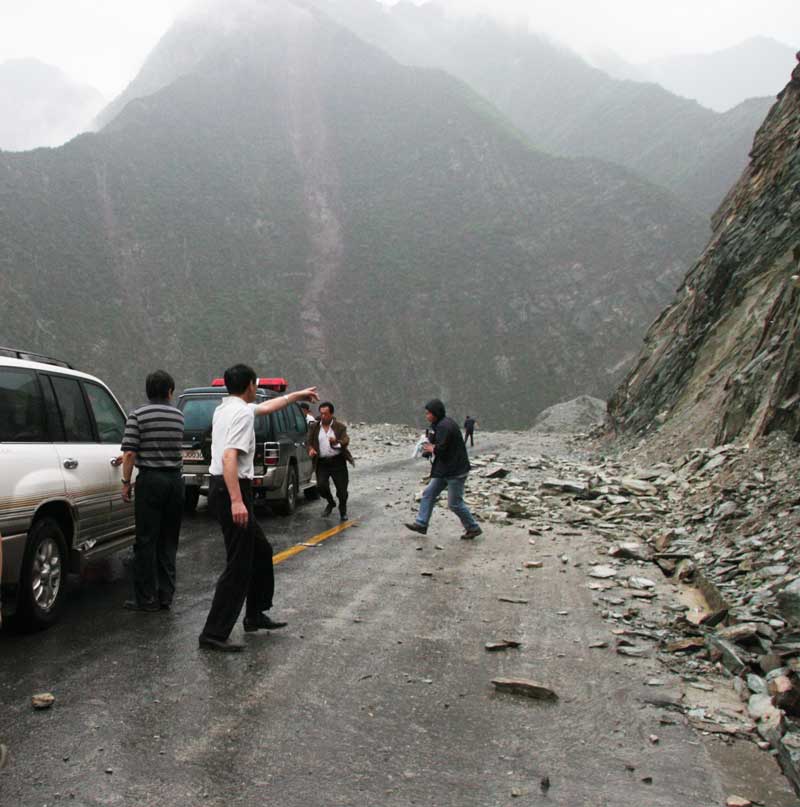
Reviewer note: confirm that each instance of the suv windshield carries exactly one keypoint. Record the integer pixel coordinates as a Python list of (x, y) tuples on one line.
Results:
[(198, 412)]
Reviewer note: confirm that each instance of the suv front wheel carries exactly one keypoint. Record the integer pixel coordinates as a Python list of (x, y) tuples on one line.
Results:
[(43, 575), (288, 505)]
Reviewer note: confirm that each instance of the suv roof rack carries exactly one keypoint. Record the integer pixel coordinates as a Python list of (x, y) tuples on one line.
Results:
[(26, 355)]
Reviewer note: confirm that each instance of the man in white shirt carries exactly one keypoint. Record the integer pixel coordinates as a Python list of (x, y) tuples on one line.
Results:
[(248, 573)]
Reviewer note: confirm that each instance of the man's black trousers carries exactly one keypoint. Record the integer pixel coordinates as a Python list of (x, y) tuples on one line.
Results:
[(334, 468), (158, 507), (248, 573)]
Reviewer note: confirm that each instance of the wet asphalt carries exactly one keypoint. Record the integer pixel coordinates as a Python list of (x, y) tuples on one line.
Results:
[(378, 692)]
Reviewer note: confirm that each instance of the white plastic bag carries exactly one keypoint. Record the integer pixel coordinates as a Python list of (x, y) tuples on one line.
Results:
[(416, 454)]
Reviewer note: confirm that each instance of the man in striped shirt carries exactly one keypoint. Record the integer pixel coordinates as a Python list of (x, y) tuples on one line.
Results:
[(152, 441)]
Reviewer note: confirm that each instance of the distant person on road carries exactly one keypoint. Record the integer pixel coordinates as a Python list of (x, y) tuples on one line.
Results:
[(152, 442), (469, 429), (449, 470), (310, 419), (248, 573), (328, 446)]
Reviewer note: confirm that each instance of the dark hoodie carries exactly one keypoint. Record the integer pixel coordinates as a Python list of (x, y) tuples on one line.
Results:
[(449, 453)]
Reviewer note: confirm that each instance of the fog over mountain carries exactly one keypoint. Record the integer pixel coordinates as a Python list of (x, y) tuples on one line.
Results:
[(719, 80), (277, 191), (564, 105), (41, 106)]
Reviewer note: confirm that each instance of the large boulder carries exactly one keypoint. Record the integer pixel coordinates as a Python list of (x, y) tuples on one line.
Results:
[(577, 415)]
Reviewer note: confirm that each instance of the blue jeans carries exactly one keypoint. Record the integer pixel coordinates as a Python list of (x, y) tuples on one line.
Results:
[(455, 501)]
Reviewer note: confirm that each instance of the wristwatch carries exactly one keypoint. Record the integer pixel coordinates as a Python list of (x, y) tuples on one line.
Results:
[(126, 481)]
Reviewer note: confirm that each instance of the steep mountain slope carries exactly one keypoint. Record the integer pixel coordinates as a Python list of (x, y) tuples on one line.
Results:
[(41, 106), (296, 199), (721, 363), (564, 105)]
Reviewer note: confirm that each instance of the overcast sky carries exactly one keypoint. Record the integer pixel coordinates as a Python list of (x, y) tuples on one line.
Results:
[(104, 42)]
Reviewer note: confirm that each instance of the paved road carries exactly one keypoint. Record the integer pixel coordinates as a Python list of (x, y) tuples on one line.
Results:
[(378, 693)]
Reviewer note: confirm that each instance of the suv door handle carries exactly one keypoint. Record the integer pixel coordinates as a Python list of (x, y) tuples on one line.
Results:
[(70, 464)]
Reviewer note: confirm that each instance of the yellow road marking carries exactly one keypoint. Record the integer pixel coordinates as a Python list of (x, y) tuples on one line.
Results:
[(317, 539)]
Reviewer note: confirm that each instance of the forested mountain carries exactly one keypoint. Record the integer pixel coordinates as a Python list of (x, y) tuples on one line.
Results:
[(41, 106), (565, 106), (294, 198)]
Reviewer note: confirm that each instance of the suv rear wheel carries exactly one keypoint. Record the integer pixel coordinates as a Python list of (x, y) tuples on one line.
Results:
[(43, 578), (288, 505)]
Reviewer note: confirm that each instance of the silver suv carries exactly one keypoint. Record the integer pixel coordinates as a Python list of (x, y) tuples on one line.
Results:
[(60, 503), (282, 465)]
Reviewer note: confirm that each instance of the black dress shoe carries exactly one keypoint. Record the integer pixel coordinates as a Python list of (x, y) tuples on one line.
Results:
[(414, 527), (223, 645), (343, 517), (262, 622), (470, 534), (148, 607), (328, 510)]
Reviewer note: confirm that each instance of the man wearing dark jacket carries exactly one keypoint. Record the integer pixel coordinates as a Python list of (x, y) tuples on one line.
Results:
[(469, 430), (449, 470)]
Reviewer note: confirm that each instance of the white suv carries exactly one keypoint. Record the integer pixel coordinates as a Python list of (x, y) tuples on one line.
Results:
[(60, 481)]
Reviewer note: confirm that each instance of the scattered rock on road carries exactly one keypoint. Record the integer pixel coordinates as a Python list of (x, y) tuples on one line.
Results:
[(43, 700), (528, 689)]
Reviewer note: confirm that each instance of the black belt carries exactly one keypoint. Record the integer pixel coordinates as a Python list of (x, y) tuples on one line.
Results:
[(244, 482)]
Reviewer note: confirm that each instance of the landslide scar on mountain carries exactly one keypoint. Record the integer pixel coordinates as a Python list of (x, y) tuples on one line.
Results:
[(310, 143)]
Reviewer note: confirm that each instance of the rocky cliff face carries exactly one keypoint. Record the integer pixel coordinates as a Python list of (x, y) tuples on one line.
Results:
[(721, 363)]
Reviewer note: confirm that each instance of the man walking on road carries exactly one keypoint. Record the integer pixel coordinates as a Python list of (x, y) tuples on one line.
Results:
[(152, 441), (449, 470), (327, 445), (469, 430), (248, 573), (310, 419)]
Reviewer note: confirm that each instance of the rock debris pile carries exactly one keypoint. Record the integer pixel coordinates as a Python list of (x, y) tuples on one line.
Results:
[(692, 562), (695, 565)]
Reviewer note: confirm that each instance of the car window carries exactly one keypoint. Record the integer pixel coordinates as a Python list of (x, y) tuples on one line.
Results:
[(22, 418), (110, 421), (283, 425), (262, 428), (55, 428), (74, 414), (198, 413), (299, 419)]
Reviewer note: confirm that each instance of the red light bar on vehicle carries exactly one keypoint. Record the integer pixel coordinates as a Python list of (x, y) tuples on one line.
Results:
[(276, 384)]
